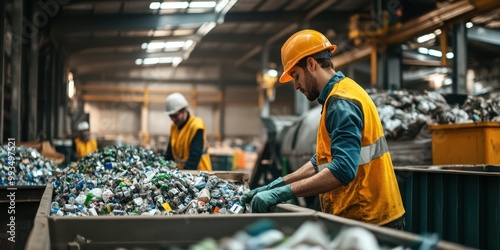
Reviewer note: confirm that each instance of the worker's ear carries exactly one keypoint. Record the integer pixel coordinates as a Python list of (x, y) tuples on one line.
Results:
[(311, 64)]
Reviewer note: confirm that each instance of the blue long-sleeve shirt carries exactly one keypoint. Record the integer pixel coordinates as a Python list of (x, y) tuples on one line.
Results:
[(344, 123)]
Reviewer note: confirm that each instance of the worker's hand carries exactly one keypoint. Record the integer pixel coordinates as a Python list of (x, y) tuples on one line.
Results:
[(248, 196), (265, 199)]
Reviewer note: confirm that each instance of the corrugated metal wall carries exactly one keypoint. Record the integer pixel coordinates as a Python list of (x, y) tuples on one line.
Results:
[(460, 206)]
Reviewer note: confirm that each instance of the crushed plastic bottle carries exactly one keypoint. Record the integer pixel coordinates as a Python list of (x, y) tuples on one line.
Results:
[(140, 182), (22, 166)]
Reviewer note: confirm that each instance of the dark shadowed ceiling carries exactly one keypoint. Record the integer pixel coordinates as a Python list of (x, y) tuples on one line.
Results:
[(103, 37)]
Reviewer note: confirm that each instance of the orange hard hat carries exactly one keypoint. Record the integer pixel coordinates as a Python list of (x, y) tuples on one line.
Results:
[(299, 45)]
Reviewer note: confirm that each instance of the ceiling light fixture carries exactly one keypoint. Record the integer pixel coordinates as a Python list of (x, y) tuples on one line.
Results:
[(426, 38), (433, 52), (159, 60), (182, 5), (172, 45), (207, 4)]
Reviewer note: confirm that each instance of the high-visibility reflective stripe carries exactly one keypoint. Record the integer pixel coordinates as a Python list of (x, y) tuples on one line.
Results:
[(373, 151), (368, 153)]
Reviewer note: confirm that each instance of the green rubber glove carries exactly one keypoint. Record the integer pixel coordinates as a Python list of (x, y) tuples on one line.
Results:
[(248, 196), (262, 201)]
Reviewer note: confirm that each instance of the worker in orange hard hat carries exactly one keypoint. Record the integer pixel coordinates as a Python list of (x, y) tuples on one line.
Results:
[(188, 145), (352, 170), (83, 144)]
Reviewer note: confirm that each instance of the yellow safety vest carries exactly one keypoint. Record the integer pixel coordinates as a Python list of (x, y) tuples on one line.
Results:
[(180, 142), (84, 148), (373, 196)]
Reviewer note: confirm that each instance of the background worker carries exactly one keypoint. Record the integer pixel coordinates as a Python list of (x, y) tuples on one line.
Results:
[(352, 170), (83, 144), (188, 145)]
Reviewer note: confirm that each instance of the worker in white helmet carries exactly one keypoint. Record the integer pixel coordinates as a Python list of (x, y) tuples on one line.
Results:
[(188, 145), (352, 170), (83, 144)]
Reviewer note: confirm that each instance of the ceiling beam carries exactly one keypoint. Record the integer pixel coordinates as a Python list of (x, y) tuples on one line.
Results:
[(351, 56), (75, 44), (484, 35), (113, 79), (66, 24), (110, 22), (448, 14), (99, 57), (115, 56), (291, 28)]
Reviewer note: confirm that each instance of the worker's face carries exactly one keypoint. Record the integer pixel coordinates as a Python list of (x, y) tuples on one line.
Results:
[(305, 82), (85, 135), (178, 117)]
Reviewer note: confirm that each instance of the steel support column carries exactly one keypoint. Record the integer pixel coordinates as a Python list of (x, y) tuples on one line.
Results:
[(49, 95), (16, 75), (459, 59), (265, 107), (2, 66), (393, 69), (33, 88), (380, 67), (57, 95), (222, 110)]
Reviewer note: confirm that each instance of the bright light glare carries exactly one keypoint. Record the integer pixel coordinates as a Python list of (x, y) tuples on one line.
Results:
[(168, 46), (174, 44), (157, 60), (176, 61), (156, 45), (154, 5), (165, 60), (272, 73), (71, 86), (447, 81), (71, 89), (426, 38), (423, 50), (435, 53), (184, 5), (151, 61), (174, 5), (469, 25), (449, 55), (202, 4), (221, 5)]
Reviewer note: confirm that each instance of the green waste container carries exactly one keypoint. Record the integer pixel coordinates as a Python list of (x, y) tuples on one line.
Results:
[(461, 203)]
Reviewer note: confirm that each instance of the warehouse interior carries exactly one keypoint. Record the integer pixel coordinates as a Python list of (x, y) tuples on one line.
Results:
[(112, 63)]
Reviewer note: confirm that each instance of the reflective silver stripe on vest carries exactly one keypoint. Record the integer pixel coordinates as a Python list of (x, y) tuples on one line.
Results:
[(368, 153), (373, 151)]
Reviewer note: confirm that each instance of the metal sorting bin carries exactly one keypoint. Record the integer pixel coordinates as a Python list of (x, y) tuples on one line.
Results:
[(162, 232), (22, 202), (467, 143), (461, 203)]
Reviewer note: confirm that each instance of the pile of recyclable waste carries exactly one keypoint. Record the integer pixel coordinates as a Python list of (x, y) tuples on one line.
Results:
[(404, 114), (130, 180), (22, 166)]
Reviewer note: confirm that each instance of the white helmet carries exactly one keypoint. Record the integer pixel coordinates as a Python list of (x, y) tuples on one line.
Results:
[(83, 126), (175, 102)]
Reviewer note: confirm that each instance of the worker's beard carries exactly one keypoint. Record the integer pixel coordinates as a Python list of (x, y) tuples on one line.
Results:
[(310, 91)]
